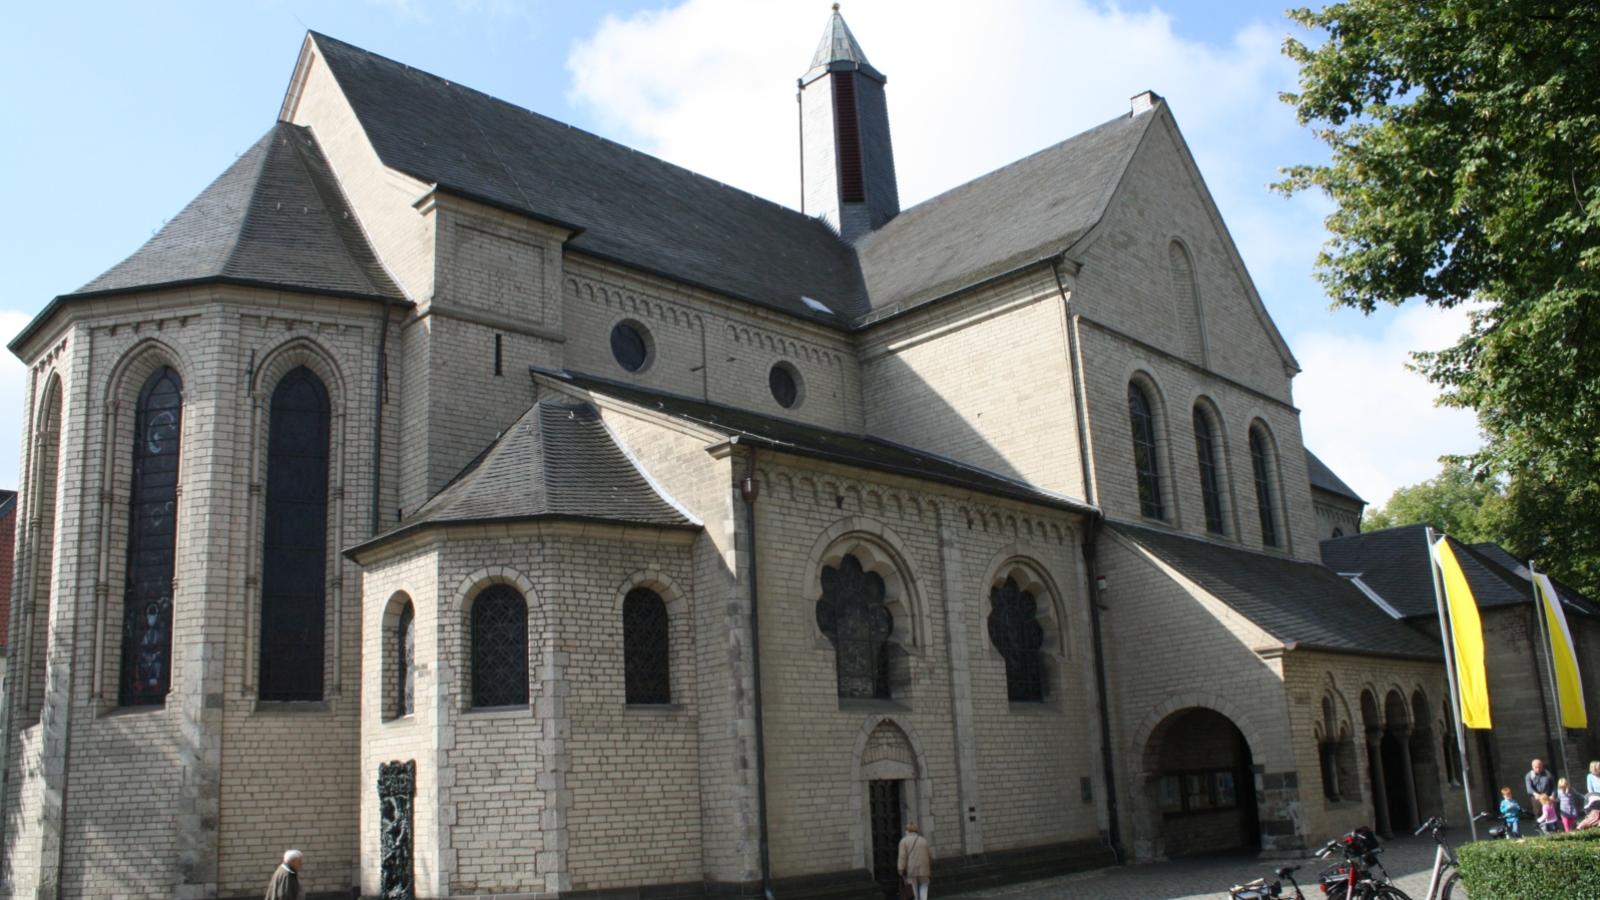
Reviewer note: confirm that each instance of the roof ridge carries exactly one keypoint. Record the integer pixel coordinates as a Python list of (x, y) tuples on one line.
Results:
[(567, 125), (347, 226)]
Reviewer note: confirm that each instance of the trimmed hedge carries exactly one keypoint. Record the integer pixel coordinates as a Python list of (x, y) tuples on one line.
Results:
[(1557, 865)]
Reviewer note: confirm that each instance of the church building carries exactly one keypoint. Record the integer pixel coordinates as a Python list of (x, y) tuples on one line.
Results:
[(490, 509)]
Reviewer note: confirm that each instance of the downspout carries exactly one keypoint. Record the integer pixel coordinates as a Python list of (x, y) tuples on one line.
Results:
[(380, 362), (748, 491), (1091, 533)]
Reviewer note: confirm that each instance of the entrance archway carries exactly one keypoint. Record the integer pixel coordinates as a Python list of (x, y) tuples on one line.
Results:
[(1203, 781), (891, 794)]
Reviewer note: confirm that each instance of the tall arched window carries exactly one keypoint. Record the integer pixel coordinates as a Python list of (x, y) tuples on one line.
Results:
[(152, 541), (294, 568), (1015, 630), (645, 658), (853, 616), (47, 446), (1205, 445), (1261, 465), (405, 649), (499, 647), (1145, 459)]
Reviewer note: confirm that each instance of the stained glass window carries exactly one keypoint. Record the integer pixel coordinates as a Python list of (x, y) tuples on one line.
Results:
[(1144, 453), (294, 567), (499, 647), (1261, 463), (1015, 630), (152, 540), (646, 663), (852, 615), (1205, 445), (405, 661)]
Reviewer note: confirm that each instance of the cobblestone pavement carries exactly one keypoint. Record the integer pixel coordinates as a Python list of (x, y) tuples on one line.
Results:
[(1409, 861)]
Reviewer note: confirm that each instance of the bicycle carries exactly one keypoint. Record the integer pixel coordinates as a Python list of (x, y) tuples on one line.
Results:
[(1262, 889)]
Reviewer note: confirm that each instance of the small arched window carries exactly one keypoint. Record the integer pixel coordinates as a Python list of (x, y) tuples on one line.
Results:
[(47, 444), (1261, 465), (294, 567), (855, 620), (1145, 459), (646, 660), (405, 655), (1205, 445), (152, 541), (1015, 630), (499, 647)]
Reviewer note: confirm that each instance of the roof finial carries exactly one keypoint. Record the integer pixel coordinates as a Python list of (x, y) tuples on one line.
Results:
[(836, 7)]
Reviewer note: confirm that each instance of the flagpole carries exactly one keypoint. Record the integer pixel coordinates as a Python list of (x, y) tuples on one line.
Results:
[(1450, 676), (1549, 663)]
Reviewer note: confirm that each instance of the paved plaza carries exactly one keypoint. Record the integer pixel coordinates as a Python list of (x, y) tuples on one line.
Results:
[(1409, 861)]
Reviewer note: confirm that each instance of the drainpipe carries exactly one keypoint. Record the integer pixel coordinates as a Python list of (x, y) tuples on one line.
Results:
[(748, 491), (1091, 532), (379, 363)]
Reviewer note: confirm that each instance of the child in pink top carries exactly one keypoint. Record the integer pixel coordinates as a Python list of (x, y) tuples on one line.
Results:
[(1549, 820)]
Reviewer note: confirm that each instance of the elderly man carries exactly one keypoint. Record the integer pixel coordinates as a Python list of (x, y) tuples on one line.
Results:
[(285, 883), (1538, 781)]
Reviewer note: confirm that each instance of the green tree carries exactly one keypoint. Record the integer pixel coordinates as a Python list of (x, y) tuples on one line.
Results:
[(1454, 501), (1465, 168)]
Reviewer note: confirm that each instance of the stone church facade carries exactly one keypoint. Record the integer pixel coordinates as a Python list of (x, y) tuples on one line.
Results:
[(486, 508)]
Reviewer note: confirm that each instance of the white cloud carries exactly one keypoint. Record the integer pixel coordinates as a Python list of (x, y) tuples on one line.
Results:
[(1369, 418), (13, 392)]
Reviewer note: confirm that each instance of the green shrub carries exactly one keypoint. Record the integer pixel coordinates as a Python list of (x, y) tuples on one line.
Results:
[(1558, 865)]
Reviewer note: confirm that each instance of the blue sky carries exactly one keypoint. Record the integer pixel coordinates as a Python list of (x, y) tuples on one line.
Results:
[(120, 113)]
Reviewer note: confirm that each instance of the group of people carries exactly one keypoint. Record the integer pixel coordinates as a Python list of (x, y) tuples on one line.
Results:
[(1560, 807)]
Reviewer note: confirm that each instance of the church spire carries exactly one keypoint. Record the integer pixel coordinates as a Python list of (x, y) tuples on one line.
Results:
[(846, 159)]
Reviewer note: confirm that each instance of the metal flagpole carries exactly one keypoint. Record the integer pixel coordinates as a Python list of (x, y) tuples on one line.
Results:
[(1450, 676), (1550, 664)]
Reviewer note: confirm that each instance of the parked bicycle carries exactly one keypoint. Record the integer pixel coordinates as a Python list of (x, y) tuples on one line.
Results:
[(1262, 889), (1442, 882)]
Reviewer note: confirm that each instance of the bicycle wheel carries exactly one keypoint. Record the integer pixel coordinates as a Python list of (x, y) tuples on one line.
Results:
[(1448, 887), (1389, 892)]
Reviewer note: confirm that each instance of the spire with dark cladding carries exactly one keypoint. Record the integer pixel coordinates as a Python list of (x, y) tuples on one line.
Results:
[(846, 158)]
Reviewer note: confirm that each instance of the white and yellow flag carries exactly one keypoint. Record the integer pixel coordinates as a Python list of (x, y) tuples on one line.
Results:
[(1466, 632), (1569, 687)]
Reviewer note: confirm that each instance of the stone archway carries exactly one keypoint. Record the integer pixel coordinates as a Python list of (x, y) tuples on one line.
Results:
[(1200, 785), (1425, 761), (890, 793)]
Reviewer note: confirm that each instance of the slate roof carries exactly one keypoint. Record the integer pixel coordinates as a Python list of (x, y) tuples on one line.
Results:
[(1393, 562), (838, 45), (628, 207), (1500, 561), (1023, 213), (864, 451), (558, 461), (1323, 479), (276, 217), (1294, 601)]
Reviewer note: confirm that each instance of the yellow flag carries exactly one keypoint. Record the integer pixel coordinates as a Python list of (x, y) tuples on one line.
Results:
[(1569, 687), (1466, 631)]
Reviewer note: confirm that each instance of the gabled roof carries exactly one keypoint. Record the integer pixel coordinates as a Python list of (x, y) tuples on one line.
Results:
[(1394, 563), (1323, 479), (1299, 603), (626, 206), (1500, 561), (1017, 215), (558, 461), (860, 450), (276, 217)]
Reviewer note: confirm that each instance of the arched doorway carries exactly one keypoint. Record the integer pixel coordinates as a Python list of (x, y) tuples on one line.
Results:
[(892, 797), (1204, 784)]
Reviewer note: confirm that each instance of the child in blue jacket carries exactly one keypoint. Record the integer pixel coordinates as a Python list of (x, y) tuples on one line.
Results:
[(1511, 813)]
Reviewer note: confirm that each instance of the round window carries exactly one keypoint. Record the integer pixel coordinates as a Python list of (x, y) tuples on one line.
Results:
[(784, 382), (630, 345)]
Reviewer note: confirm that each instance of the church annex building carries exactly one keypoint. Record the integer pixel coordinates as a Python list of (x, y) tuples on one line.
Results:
[(487, 508)]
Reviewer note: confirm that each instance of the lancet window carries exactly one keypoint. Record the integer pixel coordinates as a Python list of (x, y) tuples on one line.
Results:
[(146, 671), (1145, 458), (499, 647), (645, 644)]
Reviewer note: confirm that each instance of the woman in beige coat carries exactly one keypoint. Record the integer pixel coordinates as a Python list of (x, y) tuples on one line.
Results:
[(916, 861)]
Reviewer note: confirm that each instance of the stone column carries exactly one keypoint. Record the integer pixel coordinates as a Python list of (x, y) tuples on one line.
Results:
[(1407, 774), (1380, 796), (955, 604)]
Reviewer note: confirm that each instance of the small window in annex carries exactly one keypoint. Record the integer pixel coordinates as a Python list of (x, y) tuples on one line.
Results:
[(405, 649), (1205, 446), (499, 647), (646, 660), (855, 620), (1261, 465), (784, 382), (1144, 453), (630, 345), (1015, 630)]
